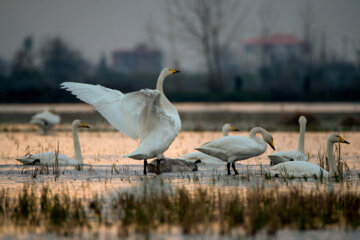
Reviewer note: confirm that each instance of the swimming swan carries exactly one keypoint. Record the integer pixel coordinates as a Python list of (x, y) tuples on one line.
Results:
[(308, 169), (46, 119), (235, 148), (298, 155), (48, 158), (193, 156), (146, 114)]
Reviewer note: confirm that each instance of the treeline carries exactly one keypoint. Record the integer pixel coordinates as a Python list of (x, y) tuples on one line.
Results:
[(34, 76)]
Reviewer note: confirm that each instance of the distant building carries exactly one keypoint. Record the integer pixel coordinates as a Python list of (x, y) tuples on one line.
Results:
[(139, 59), (278, 48)]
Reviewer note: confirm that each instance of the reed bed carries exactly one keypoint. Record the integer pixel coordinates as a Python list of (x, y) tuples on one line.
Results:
[(202, 211)]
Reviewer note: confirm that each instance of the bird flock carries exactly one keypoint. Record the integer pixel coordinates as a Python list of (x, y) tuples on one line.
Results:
[(148, 115)]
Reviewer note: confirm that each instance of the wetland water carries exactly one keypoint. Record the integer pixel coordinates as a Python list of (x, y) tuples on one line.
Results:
[(106, 173)]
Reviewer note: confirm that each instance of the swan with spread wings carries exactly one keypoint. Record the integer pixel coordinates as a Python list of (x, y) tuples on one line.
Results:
[(146, 114)]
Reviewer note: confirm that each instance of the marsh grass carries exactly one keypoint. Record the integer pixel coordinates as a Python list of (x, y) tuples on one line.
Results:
[(223, 213), (47, 212), (200, 211)]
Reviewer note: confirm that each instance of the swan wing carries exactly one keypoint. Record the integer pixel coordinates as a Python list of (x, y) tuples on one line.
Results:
[(46, 158), (142, 114), (297, 169), (205, 159), (48, 117), (129, 113), (285, 156), (157, 120), (216, 152), (236, 147), (106, 101)]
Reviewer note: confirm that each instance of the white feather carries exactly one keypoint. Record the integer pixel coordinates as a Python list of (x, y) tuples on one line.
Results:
[(298, 155), (146, 114), (235, 148)]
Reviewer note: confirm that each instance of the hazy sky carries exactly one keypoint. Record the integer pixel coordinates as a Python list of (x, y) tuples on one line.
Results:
[(97, 27)]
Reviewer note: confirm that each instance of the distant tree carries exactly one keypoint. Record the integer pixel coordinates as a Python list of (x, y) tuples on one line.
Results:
[(323, 58), (61, 62), (267, 19), (208, 26), (102, 64), (23, 58), (2, 67), (357, 54), (307, 21)]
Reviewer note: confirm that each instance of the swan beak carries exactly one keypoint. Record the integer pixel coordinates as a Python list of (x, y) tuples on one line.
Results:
[(84, 125), (234, 128), (174, 71), (272, 144), (342, 140)]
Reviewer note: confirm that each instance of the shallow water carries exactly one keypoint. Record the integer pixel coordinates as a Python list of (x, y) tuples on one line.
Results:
[(102, 150), (106, 172)]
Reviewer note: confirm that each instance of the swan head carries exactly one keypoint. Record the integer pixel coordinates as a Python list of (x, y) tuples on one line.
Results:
[(302, 120), (168, 72), (51, 109), (79, 124), (28, 160), (334, 138), (228, 127), (268, 139)]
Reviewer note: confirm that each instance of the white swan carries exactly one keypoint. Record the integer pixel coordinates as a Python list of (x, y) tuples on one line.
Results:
[(206, 159), (49, 158), (298, 155), (46, 119), (308, 169), (235, 148), (146, 114)]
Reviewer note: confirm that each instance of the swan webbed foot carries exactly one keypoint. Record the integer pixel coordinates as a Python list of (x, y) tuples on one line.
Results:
[(228, 169), (233, 167), (145, 164)]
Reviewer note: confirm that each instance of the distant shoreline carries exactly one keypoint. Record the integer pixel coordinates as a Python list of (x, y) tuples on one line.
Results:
[(244, 107)]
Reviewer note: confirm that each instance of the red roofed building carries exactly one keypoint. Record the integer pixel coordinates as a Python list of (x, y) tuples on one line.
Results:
[(279, 48), (140, 59)]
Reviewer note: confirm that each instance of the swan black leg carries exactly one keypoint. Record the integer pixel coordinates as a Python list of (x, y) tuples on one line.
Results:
[(158, 171), (145, 164), (233, 167), (228, 168)]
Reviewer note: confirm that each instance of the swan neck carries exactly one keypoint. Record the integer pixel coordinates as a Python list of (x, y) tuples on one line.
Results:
[(225, 132), (301, 144), (253, 136), (77, 149), (160, 83), (254, 131), (331, 159)]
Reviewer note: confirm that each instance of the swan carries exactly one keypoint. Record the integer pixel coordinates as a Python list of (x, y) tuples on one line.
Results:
[(172, 165), (46, 119), (193, 156), (308, 169), (146, 114), (49, 158), (235, 148), (298, 155)]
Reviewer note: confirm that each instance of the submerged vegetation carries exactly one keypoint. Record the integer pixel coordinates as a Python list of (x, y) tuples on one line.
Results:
[(203, 210)]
